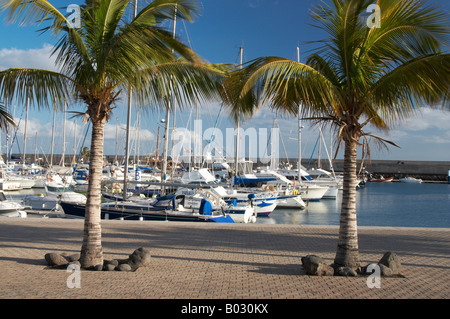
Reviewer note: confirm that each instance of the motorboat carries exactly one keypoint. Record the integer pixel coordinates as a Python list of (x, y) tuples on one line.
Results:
[(266, 198), (411, 180), (11, 208), (55, 192), (287, 187), (381, 179), (243, 211)]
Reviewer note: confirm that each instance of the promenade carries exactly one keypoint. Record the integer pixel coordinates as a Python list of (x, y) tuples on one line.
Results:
[(217, 261)]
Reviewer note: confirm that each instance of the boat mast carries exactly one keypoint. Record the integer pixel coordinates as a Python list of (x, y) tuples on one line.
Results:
[(25, 131), (299, 163), (64, 136), (74, 160), (166, 129), (53, 138), (127, 138), (236, 166)]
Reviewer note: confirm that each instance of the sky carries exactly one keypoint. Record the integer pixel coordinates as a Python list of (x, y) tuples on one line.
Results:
[(262, 28)]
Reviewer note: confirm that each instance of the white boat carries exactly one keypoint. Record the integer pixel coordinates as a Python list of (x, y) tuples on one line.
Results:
[(411, 180), (7, 185), (265, 202), (11, 208), (243, 209), (56, 191), (307, 191), (242, 212)]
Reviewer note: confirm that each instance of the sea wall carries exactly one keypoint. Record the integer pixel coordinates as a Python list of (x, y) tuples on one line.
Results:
[(426, 170)]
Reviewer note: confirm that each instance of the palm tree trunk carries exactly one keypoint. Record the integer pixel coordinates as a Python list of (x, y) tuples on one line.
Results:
[(347, 253), (91, 250)]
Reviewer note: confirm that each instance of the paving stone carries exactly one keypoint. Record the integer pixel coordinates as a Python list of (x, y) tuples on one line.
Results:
[(213, 261)]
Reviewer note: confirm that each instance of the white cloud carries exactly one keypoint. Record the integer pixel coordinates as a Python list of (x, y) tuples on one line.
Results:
[(30, 58), (427, 119)]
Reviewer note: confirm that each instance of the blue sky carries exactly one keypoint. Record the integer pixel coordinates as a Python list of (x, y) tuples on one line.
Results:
[(263, 28)]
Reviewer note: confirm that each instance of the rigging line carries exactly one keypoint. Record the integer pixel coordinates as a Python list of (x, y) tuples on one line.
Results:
[(282, 142), (187, 34), (14, 138), (81, 148), (326, 150), (175, 163), (312, 154), (214, 130)]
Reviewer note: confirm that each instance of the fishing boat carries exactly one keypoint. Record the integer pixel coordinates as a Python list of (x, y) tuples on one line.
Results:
[(411, 180), (381, 180)]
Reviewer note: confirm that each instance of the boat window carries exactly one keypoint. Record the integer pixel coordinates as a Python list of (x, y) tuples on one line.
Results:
[(2, 197), (59, 189)]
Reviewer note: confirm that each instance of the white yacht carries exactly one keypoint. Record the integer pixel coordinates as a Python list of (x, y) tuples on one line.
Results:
[(10, 208), (56, 191)]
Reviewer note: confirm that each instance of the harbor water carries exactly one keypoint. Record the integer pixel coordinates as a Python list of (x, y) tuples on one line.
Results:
[(378, 204)]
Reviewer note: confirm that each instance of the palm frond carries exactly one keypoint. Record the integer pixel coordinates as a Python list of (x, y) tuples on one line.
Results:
[(280, 83), (186, 83), (159, 10), (35, 12), (418, 82), (6, 119), (42, 87)]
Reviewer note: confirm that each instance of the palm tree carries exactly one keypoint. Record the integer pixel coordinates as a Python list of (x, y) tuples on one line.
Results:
[(103, 58), (358, 77)]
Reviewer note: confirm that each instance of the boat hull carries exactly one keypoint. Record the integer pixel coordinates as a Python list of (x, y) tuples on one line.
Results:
[(161, 215)]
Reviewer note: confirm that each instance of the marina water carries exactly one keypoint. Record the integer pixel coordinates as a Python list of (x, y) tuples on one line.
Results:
[(378, 204)]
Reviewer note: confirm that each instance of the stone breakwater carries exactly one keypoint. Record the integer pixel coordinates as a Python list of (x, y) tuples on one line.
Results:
[(436, 171)]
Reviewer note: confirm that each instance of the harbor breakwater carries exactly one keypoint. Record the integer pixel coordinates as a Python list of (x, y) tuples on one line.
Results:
[(426, 170)]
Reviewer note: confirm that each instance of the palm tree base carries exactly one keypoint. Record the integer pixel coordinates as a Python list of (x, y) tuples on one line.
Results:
[(347, 257)]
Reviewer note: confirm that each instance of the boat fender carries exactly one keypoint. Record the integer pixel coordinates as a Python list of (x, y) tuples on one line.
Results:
[(295, 192)]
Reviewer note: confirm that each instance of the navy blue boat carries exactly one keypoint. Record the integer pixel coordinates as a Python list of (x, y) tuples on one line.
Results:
[(144, 211)]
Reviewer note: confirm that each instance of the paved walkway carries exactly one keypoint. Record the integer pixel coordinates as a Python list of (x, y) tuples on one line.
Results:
[(217, 261)]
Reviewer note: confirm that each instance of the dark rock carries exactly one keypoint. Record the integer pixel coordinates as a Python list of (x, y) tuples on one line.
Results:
[(109, 267), (139, 258), (113, 262), (73, 257), (345, 271), (54, 259), (385, 271), (124, 267), (392, 261), (122, 261), (316, 266)]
